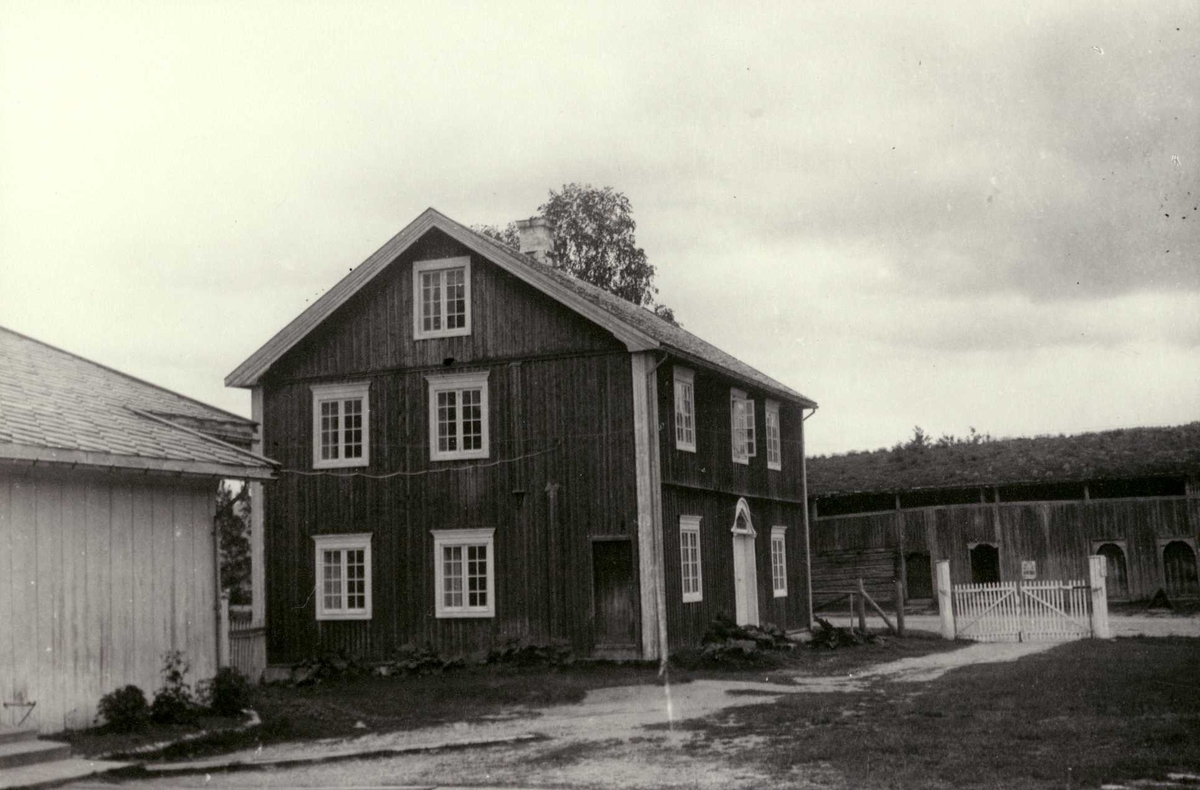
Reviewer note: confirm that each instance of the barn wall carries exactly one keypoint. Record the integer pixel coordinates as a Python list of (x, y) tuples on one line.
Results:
[(687, 622), (99, 576), (564, 422), (1057, 535)]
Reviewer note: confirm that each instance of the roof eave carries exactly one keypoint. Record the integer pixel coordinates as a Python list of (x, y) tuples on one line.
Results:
[(26, 455)]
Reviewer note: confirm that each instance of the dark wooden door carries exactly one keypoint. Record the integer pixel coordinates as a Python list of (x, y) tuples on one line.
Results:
[(985, 564), (612, 568), (1179, 568), (918, 581)]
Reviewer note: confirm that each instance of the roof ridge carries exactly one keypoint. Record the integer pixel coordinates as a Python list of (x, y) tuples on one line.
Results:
[(130, 377)]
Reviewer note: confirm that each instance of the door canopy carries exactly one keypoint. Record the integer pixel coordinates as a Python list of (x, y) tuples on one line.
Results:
[(742, 523)]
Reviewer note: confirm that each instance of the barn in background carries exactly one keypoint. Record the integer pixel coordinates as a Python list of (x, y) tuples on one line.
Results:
[(1000, 508), (108, 554)]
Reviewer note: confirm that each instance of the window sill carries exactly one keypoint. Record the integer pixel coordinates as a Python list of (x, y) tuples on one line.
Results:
[(344, 463), (687, 448), (462, 332), (693, 598), (462, 613), (365, 615), (468, 455)]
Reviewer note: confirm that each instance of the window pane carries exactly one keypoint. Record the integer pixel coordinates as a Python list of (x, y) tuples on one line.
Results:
[(356, 579), (352, 429), (329, 430), (472, 423), (431, 301), (332, 573), (477, 575), (452, 576), (447, 421), (456, 298)]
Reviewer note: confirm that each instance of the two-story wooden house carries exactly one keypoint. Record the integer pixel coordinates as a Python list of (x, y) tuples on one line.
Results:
[(476, 446)]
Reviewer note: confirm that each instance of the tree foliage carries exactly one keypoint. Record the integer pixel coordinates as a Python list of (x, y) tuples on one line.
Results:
[(594, 240), (233, 526)]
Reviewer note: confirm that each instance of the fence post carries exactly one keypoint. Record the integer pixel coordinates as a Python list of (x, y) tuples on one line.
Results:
[(223, 633), (899, 608), (1097, 566), (862, 607), (944, 603)]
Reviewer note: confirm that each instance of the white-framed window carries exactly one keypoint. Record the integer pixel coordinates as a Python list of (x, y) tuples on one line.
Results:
[(689, 555), (341, 422), (464, 572), (343, 576), (741, 410), (779, 561), (774, 445), (458, 416), (685, 410), (442, 297)]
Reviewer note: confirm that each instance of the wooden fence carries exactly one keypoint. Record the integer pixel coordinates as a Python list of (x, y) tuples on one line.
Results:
[(243, 645)]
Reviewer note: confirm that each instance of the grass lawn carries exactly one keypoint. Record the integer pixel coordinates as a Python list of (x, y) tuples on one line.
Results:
[(1079, 715)]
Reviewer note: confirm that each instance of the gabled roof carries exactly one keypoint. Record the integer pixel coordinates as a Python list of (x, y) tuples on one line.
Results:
[(56, 407), (1124, 454), (638, 328)]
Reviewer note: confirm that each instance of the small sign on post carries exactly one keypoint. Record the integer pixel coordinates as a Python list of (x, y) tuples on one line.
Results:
[(1028, 570)]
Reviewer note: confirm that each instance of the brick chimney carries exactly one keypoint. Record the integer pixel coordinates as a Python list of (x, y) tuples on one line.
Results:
[(535, 237)]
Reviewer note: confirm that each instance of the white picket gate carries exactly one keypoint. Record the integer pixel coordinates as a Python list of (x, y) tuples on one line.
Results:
[(1022, 611)]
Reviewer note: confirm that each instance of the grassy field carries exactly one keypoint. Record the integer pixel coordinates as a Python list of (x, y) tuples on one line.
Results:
[(1079, 715)]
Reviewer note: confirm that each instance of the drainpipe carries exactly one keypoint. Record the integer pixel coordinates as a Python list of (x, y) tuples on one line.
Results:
[(804, 498)]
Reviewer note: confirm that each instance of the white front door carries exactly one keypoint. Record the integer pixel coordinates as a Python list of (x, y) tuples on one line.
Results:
[(745, 580)]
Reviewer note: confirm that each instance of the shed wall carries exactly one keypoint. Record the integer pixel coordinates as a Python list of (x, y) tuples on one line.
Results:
[(100, 574)]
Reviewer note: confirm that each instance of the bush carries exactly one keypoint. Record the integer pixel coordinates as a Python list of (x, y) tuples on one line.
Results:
[(227, 694), (124, 710), (527, 654), (728, 645), (174, 703)]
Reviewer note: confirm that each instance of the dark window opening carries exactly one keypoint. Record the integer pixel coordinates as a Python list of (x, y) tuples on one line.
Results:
[(985, 564), (937, 498), (1146, 486), (1179, 570), (1117, 580), (855, 503), (1040, 492)]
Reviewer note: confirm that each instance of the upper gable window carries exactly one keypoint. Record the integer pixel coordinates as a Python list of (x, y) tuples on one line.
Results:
[(442, 297), (685, 410), (741, 409), (341, 423), (458, 416), (774, 445)]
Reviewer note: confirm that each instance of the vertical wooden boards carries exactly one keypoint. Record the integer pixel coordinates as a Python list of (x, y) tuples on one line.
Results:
[(48, 583), (121, 654), (649, 571), (71, 647), (98, 624)]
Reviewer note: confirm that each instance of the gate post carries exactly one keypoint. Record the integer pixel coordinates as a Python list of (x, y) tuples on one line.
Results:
[(223, 631), (944, 604), (1097, 568)]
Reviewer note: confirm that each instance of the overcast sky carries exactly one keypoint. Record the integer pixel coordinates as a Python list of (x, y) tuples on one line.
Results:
[(950, 216)]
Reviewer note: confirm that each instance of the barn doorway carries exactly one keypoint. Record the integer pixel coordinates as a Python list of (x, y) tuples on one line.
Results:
[(985, 563), (918, 577), (612, 594), (1179, 570), (745, 569), (1117, 576)]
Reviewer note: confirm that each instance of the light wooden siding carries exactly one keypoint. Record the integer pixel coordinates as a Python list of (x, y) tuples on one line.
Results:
[(1058, 535), (99, 576), (374, 330), (687, 622), (571, 417), (711, 466)]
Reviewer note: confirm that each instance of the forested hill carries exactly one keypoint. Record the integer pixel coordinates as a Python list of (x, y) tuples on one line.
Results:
[(981, 460)]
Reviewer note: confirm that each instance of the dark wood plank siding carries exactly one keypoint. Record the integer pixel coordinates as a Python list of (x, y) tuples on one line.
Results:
[(687, 622), (712, 466), (1058, 535), (574, 426), (374, 331)]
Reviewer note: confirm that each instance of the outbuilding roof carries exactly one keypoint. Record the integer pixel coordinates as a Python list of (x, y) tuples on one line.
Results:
[(1125, 454), (637, 327), (56, 407)]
